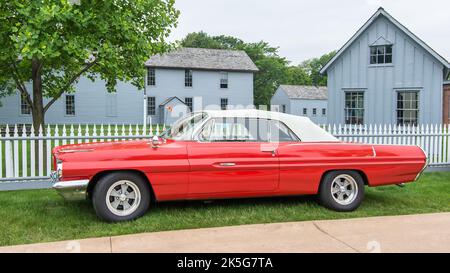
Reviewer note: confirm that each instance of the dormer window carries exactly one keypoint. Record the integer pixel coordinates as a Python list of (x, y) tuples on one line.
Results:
[(381, 54)]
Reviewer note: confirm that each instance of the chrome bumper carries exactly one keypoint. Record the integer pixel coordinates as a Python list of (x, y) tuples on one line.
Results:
[(72, 190)]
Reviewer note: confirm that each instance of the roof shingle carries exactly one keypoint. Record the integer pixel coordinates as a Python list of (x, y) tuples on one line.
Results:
[(203, 58), (305, 92)]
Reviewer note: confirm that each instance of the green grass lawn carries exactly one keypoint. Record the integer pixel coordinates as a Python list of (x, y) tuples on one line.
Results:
[(41, 215)]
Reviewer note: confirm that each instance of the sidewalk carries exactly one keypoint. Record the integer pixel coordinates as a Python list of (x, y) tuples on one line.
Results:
[(411, 233)]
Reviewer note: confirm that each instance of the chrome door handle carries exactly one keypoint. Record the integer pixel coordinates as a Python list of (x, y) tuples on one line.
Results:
[(273, 151), (227, 164)]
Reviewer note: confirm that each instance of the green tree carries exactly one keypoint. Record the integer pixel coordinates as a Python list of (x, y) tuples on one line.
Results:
[(272, 67), (298, 75), (49, 44), (313, 67)]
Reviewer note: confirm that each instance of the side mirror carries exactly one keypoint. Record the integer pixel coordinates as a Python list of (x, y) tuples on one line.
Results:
[(156, 142)]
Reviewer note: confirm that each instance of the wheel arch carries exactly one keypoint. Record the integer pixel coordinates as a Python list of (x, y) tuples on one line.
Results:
[(360, 172), (94, 180)]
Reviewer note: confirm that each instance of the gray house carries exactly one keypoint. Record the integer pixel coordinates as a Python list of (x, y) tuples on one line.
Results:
[(308, 101), (201, 78), (385, 74), (177, 82)]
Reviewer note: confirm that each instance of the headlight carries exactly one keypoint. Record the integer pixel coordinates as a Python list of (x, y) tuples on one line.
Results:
[(59, 169)]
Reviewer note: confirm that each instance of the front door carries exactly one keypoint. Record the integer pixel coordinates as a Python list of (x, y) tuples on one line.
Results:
[(233, 156)]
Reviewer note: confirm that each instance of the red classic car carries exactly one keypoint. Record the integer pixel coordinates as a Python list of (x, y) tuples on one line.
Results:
[(230, 154)]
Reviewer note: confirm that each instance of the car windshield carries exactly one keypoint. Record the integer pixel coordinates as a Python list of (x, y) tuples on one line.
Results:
[(184, 127)]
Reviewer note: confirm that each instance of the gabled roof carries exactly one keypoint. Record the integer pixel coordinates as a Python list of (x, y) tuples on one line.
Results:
[(205, 59), (382, 12), (305, 92)]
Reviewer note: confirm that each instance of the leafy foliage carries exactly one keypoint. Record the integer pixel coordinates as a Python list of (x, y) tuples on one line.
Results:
[(50, 43), (313, 67), (273, 69)]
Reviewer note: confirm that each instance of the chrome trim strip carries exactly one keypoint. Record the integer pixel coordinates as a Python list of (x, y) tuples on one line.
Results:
[(72, 190), (228, 164), (427, 161)]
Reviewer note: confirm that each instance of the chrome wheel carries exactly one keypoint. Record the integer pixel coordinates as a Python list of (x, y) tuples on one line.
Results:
[(344, 189), (123, 198)]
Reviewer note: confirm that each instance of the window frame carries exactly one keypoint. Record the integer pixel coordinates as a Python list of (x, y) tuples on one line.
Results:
[(189, 105), (188, 78), (223, 83), (356, 108), (305, 111), (150, 98), (66, 105), (324, 112), (283, 108), (374, 53), (221, 104), (151, 77), (23, 103), (291, 133), (417, 110), (314, 112), (210, 122)]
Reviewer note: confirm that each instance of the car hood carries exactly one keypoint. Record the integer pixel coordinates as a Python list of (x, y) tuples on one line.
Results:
[(101, 146), (103, 151)]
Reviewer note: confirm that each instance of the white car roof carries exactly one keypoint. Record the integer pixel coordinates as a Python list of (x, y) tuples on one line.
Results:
[(303, 127)]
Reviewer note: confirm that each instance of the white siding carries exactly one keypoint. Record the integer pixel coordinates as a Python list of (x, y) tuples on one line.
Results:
[(412, 68), (95, 105), (297, 106)]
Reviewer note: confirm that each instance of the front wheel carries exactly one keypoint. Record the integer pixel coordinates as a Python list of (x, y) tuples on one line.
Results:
[(121, 196), (342, 190)]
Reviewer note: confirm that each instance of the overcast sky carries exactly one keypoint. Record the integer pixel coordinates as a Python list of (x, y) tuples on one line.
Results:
[(305, 29)]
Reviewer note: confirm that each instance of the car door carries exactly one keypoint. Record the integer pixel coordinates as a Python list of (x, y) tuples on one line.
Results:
[(232, 158)]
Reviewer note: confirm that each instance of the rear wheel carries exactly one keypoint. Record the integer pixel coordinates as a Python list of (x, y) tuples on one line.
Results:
[(342, 190), (121, 196)]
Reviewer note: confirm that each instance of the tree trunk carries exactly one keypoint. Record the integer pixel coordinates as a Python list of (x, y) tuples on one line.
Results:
[(38, 103)]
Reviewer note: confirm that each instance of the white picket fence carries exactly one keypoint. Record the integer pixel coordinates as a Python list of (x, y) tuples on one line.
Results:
[(27, 156), (434, 139)]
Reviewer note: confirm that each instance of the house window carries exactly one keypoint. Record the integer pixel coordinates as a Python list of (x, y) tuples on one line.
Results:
[(188, 102), (314, 112), (283, 108), (151, 106), (151, 78), (223, 103), (324, 112), (111, 104), (70, 105), (25, 109), (354, 107), (305, 111), (407, 107), (188, 78), (381, 54), (223, 80)]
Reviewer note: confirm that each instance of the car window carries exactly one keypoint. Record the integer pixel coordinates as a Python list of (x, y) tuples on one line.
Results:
[(183, 129), (235, 130), (280, 132)]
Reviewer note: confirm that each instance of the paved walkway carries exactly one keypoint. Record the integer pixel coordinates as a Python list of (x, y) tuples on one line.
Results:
[(412, 233)]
